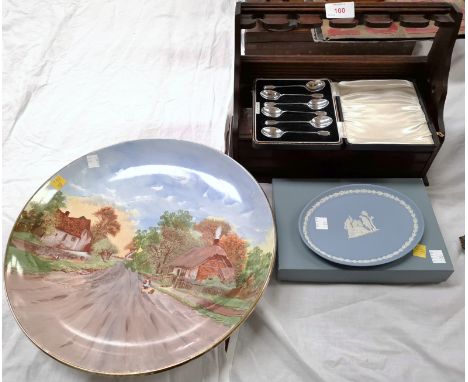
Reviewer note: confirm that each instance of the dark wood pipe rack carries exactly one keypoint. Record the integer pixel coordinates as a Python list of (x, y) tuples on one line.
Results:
[(290, 21)]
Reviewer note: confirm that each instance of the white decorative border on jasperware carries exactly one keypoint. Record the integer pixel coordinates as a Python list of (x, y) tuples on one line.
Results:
[(360, 191)]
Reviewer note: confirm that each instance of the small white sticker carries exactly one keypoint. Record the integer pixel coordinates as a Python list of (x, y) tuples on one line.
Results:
[(257, 107), (437, 256), (339, 10), (321, 222), (93, 160)]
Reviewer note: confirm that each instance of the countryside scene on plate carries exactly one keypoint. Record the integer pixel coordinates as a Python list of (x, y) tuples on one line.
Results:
[(112, 273)]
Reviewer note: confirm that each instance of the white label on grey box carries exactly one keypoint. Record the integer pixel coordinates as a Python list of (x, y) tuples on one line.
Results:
[(437, 256), (321, 222), (257, 107)]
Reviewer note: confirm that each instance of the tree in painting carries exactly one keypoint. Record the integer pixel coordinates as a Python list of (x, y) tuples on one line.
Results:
[(236, 250), (144, 247), (146, 238), (40, 218), (104, 248), (107, 224), (58, 201), (180, 220), (208, 227), (256, 268), (176, 237)]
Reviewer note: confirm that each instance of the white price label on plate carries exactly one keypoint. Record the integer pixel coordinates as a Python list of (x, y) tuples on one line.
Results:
[(93, 160), (340, 10), (437, 256), (321, 222)]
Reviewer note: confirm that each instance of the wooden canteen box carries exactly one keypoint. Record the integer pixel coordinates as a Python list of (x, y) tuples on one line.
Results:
[(279, 22)]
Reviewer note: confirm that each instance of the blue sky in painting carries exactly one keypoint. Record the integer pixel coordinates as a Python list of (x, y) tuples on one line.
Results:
[(148, 177)]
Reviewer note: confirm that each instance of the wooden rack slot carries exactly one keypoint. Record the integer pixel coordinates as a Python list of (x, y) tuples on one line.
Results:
[(309, 21), (378, 21), (343, 23), (413, 21)]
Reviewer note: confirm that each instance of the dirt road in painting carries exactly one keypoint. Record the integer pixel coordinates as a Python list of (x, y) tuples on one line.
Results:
[(102, 321)]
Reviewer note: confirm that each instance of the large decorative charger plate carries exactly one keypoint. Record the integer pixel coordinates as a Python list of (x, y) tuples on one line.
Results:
[(139, 257), (361, 225)]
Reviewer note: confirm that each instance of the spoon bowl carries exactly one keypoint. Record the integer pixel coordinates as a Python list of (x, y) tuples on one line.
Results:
[(321, 121), (271, 95)]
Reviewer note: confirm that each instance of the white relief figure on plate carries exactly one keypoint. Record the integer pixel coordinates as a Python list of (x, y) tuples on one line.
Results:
[(360, 227)]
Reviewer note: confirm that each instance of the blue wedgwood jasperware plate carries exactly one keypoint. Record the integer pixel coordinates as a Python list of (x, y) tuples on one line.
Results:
[(361, 225)]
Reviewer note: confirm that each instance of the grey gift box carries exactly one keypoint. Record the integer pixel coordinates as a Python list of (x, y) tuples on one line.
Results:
[(296, 262)]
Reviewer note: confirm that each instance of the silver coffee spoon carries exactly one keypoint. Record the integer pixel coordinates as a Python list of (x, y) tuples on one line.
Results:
[(274, 132), (319, 122), (316, 103), (312, 86), (275, 112), (273, 95)]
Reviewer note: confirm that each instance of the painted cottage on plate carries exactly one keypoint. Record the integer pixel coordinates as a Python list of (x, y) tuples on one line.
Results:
[(199, 264), (70, 233)]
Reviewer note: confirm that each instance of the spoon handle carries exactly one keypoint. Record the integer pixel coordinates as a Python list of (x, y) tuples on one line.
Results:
[(300, 112), (271, 87), (298, 121), (273, 123), (323, 133), (284, 103), (292, 94)]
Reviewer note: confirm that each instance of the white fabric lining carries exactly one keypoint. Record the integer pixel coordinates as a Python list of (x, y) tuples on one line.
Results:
[(383, 112)]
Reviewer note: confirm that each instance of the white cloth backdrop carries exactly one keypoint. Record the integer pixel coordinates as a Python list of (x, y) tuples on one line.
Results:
[(80, 75)]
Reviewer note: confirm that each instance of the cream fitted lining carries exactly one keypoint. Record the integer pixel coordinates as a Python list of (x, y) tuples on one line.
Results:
[(382, 111)]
